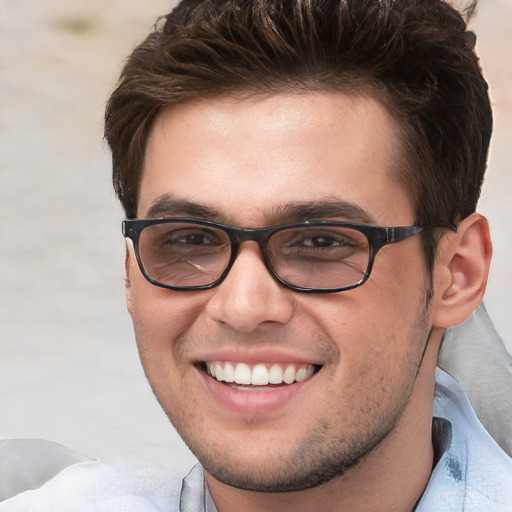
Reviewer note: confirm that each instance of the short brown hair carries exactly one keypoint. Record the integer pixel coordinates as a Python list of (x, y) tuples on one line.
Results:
[(415, 56)]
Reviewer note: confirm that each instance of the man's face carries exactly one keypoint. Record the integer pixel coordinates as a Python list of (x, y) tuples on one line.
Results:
[(248, 162)]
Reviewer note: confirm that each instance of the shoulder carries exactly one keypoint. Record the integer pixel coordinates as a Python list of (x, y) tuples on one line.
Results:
[(472, 473), (26, 464), (39, 475)]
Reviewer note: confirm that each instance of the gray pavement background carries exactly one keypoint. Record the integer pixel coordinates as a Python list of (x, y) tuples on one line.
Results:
[(69, 370)]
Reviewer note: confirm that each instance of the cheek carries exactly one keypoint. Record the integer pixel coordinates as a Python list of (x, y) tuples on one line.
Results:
[(380, 323), (161, 318)]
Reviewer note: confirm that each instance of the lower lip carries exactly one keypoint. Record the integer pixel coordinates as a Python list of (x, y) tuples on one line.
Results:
[(253, 401)]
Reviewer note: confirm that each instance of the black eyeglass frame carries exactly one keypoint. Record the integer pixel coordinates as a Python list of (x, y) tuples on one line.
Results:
[(377, 237)]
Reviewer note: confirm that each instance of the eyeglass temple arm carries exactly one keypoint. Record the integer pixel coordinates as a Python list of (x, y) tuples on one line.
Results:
[(396, 234)]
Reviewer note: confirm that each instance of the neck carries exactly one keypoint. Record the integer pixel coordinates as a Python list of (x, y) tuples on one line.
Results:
[(392, 477)]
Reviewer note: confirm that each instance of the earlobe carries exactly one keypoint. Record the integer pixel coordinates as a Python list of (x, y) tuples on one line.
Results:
[(461, 272)]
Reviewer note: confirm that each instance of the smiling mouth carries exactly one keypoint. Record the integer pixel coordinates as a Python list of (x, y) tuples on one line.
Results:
[(259, 376)]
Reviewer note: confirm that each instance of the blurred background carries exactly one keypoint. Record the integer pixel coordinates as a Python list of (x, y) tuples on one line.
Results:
[(69, 370)]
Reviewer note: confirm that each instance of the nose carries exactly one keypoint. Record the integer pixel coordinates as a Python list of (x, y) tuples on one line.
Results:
[(249, 296)]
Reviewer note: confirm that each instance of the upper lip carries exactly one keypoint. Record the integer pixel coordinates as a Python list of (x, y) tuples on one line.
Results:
[(255, 356)]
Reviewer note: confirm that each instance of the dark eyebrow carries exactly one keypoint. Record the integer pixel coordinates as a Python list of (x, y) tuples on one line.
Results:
[(168, 206), (320, 210)]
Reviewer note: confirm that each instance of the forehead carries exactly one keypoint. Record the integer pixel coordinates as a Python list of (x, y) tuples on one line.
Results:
[(247, 157)]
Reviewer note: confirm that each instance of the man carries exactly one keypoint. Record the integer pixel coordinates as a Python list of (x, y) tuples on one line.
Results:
[(300, 181)]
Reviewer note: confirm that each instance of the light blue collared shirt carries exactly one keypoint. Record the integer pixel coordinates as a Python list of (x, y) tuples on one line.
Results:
[(473, 474)]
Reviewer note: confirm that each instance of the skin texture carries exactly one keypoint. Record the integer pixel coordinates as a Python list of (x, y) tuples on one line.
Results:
[(367, 413)]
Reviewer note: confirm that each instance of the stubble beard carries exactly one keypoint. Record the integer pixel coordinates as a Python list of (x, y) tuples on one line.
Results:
[(312, 463)]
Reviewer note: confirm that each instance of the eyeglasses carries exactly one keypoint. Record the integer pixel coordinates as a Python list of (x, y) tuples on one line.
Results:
[(309, 257)]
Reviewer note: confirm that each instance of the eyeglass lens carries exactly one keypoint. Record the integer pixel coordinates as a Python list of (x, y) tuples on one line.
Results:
[(188, 255)]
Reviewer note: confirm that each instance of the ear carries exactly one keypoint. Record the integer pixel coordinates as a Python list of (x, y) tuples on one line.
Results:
[(461, 271), (127, 280)]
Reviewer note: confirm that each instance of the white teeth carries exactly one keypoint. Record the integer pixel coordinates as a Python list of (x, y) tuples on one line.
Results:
[(289, 374), (275, 375), (302, 374), (260, 374), (242, 374), (229, 373), (219, 371)]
